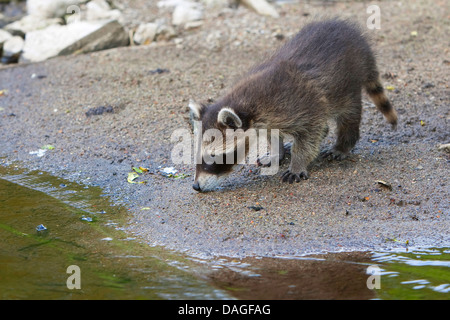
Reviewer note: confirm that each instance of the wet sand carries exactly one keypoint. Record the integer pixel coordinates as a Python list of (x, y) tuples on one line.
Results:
[(340, 208)]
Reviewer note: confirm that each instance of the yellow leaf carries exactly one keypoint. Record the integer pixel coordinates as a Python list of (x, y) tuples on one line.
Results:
[(132, 176)]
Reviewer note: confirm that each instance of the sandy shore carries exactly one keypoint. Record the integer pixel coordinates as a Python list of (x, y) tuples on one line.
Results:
[(341, 207)]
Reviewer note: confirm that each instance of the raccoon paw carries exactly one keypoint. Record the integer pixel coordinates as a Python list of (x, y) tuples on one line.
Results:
[(267, 160), (264, 161), (290, 177), (334, 154)]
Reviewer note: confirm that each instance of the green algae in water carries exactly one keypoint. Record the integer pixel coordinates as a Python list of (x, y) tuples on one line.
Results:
[(414, 275), (33, 264)]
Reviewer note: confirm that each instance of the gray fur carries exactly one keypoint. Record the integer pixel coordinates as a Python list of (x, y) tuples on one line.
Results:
[(316, 76)]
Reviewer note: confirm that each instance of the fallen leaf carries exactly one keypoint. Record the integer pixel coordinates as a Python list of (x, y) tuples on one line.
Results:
[(48, 147), (138, 170), (390, 88), (422, 123), (181, 176), (132, 176)]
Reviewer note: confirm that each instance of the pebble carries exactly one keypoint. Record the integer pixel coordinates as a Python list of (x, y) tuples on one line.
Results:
[(12, 48), (145, 33)]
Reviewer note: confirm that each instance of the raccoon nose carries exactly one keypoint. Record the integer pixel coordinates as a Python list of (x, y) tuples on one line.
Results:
[(196, 186)]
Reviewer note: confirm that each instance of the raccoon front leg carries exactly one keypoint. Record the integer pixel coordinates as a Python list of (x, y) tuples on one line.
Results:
[(268, 159), (305, 149)]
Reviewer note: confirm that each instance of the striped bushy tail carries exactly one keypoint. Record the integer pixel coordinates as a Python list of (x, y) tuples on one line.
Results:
[(376, 93)]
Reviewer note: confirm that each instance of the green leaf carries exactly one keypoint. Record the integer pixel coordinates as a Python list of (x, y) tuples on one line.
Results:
[(48, 147), (138, 170)]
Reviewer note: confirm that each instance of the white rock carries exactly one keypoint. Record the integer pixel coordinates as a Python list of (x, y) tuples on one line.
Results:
[(445, 147), (80, 37), (165, 32), (172, 3), (216, 3), (193, 24), (50, 8), (12, 49), (4, 35), (100, 10), (145, 33), (187, 12), (30, 23), (261, 7)]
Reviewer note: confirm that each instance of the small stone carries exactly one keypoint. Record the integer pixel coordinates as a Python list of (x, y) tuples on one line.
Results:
[(4, 35), (193, 24), (186, 12), (145, 33), (41, 228), (165, 33), (99, 111), (445, 147), (12, 48), (100, 10), (262, 7)]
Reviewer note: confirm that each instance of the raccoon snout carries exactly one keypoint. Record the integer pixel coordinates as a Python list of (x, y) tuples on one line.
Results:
[(196, 186)]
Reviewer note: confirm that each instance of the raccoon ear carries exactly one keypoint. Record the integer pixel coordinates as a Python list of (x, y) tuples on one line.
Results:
[(195, 109), (229, 118)]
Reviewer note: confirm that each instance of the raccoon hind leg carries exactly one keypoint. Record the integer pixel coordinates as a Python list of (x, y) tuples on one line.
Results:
[(347, 131)]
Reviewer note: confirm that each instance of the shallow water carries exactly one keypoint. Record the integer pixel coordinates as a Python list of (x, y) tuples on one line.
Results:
[(33, 264), (83, 228)]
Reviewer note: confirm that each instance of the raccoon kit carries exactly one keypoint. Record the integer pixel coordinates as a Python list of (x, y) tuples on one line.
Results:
[(316, 76)]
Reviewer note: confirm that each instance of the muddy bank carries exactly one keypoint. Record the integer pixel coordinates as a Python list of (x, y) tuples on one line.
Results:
[(341, 207)]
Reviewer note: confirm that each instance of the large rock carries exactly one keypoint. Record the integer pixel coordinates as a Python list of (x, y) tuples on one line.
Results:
[(77, 37), (30, 23), (262, 7), (12, 48), (50, 8)]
